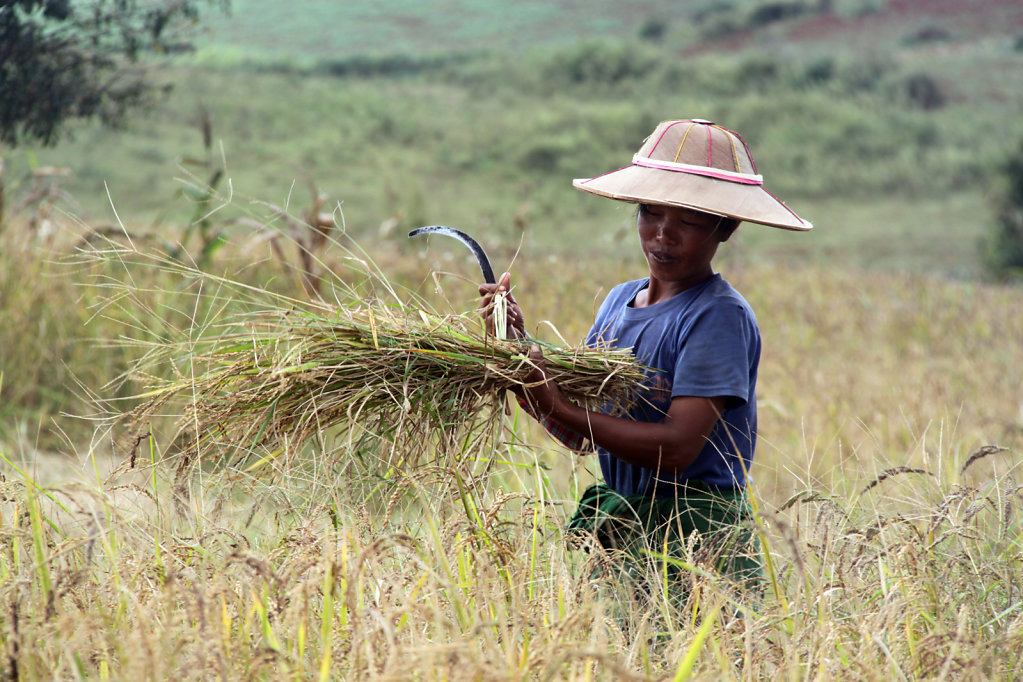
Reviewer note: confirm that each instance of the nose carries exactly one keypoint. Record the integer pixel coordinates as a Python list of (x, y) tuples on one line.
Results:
[(663, 232)]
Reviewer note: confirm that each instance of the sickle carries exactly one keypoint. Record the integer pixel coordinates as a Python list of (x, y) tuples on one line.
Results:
[(474, 246)]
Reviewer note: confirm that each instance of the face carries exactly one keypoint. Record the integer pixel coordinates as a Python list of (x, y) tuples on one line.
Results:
[(679, 243)]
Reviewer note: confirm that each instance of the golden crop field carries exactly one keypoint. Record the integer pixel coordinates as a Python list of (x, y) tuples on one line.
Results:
[(248, 430), (884, 486)]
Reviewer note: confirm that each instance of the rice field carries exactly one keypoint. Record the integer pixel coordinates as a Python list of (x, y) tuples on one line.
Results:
[(885, 489), (288, 453)]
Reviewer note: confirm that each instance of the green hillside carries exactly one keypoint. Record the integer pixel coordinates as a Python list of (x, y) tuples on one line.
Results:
[(320, 29), (480, 114)]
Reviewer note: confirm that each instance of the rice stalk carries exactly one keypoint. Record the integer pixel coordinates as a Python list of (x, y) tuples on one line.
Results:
[(394, 380)]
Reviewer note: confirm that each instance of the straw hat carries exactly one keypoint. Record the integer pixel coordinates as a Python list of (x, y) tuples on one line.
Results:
[(700, 165)]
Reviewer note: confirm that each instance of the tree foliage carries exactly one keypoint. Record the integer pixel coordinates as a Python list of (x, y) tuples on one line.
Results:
[(1005, 245), (62, 60)]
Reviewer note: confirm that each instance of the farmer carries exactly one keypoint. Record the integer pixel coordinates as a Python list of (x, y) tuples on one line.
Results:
[(679, 462)]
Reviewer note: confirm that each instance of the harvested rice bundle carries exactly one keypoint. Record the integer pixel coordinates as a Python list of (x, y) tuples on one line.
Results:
[(274, 379)]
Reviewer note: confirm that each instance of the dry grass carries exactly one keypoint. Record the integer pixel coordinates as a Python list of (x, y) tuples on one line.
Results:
[(360, 369), (888, 514), (257, 581), (260, 374)]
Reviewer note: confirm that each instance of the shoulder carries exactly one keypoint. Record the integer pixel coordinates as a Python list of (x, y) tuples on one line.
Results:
[(721, 298), (721, 289), (722, 317)]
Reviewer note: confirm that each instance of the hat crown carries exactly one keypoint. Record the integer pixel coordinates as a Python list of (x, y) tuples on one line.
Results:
[(698, 142), (699, 165)]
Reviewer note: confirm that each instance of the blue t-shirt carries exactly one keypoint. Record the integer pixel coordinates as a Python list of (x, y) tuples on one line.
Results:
[(702, 342)]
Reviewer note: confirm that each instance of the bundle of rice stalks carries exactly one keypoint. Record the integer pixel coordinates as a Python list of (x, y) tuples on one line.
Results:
[(269, 381)]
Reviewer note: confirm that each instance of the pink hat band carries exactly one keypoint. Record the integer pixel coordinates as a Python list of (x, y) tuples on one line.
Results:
[(730, 176)]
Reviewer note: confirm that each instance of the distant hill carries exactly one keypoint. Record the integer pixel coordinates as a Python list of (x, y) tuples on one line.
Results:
[(318, 29), (883, 24), (886, 122)]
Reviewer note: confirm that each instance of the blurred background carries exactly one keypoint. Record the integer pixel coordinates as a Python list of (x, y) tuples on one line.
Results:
[(888, 123)]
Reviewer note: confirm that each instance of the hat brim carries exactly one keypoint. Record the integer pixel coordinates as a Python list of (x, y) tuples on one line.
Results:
[(750, 203)]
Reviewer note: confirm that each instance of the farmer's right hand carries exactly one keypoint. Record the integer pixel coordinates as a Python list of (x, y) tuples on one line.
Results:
[(516, 323), (540, 390)]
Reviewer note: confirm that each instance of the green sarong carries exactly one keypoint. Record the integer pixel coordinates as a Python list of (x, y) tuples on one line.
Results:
[(701, 525)]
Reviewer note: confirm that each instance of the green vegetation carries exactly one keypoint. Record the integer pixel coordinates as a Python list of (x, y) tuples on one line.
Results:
[(489, 143), (130, 579), (62, 62), (323, 29), (1005, 243)]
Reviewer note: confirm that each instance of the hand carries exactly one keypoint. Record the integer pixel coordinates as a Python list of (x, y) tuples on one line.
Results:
[(538, 389), (515, 322)]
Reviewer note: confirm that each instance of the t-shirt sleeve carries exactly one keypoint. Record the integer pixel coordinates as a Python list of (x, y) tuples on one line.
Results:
[(715, 356)]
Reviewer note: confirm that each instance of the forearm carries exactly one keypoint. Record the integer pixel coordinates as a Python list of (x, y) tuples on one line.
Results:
[(666, 446), (564, 435), (670, 445)]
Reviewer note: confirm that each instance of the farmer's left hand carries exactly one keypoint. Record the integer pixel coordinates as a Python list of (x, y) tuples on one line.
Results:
[(515, 320)]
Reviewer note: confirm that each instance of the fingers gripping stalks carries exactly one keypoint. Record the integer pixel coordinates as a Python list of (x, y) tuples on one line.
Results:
[(543, 393), (500, 310), (501, 314)]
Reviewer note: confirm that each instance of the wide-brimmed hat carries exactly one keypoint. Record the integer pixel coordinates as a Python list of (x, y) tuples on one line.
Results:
[(699, 165)]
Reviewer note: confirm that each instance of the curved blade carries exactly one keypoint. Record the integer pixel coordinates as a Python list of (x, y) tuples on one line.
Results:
[(474, 246)]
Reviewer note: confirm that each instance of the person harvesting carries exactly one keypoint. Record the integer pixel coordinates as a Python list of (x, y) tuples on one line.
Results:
[(678, 463)]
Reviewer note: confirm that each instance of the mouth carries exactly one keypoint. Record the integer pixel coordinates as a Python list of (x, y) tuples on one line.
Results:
[(661, 257)]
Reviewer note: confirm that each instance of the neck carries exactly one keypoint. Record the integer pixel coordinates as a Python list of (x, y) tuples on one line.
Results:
[(658, 291)]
